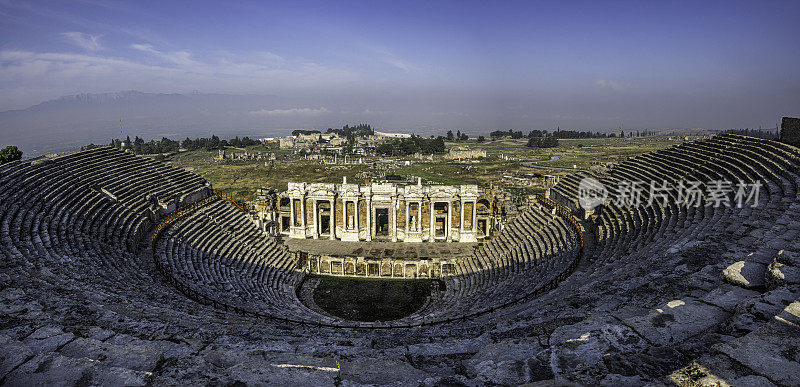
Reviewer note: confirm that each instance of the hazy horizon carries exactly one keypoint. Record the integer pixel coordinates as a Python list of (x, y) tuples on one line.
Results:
[(419, 67)]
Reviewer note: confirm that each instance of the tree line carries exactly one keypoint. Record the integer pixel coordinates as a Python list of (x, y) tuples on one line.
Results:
[(215, 143), (360, 130), (570, 134), (141, 147), (457, 137), (298, 132), (509, 133), (542, 142), (412, 145)]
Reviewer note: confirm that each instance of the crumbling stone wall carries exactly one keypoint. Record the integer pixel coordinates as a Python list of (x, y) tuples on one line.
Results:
[(790, 131)]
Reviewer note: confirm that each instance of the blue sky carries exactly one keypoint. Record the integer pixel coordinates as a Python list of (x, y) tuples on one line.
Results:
[(527, 64)]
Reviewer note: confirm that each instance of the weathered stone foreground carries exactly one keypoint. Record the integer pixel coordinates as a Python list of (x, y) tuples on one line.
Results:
[(662, 294)]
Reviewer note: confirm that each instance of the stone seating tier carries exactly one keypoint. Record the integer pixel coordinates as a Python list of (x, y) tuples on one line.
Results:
[(659, 290)]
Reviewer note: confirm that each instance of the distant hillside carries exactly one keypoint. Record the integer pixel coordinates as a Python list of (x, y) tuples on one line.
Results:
[(72, 101), (68, 122)]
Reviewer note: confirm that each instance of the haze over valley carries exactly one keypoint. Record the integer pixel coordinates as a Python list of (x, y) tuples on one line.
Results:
[(68, 71)]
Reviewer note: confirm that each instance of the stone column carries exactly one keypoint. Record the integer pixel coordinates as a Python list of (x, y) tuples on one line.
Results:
[(303, 214), (344, 215), (369, 218), (449, 220), (432, 229), (333, 223), (408, 208), (292, 217), (393, 230), (419, 218), (316, 220), (461, 219), (475, 217), (356, 217)]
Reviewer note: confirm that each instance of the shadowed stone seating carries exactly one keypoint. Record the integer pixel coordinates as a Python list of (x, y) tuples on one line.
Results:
[(635, 294)]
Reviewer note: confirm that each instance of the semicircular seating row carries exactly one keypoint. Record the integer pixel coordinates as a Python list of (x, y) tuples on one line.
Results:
[(647, 256), (227, 261), (664, 222), (529, 255), (220, 256), (54, 214), (81, 217)]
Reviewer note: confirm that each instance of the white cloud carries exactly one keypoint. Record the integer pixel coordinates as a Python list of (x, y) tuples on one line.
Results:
[(26, 66), (291, 112), (267, 57), (86, 41), (56, 74), (450, 114), (613, 85), (374, 112), (143, 47), (176, 57), (386, 56), (590, 118), (397, 62)]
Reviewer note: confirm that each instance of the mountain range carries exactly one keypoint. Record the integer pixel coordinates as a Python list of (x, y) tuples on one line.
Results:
[(68, 122)]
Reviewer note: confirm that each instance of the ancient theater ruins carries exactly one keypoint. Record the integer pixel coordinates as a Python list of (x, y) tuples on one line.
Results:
[(400, 193), (382, 229), (391, 212), (163, 264)]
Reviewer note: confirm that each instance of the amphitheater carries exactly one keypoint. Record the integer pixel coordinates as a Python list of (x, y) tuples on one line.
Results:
[(120, 270)]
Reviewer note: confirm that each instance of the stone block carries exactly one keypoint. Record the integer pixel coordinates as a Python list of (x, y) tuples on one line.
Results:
[(788, 258), (12, 354), (771, 351), (55, 370), (728, 296), (678, 320), (746, 274), (135, 357), (577, 359), (779, 274), (511, 361), (752, 380), (47, 339)]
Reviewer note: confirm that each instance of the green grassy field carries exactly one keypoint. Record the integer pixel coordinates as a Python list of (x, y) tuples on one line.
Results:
[(503, 158), (370, 299)]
